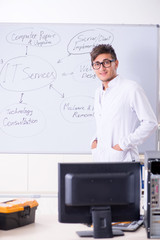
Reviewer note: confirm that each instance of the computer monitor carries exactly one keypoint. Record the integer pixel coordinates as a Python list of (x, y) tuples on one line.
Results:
[(98, 194)]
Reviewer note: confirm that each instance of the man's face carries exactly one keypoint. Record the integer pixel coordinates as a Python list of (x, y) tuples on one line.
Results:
[(106, 74)]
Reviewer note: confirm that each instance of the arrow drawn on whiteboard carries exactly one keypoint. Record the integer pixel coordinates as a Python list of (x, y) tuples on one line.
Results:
[(67, 74), (51, 87), (21, 98), (61, 60), (26, 50)]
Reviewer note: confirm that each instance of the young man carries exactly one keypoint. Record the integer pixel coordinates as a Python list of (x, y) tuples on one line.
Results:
[(124, 117)]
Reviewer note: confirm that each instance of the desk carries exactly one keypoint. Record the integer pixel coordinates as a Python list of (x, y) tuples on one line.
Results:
[(47, 227)]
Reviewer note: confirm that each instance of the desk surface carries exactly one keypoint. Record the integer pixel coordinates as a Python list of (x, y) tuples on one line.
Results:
[(47, 227)]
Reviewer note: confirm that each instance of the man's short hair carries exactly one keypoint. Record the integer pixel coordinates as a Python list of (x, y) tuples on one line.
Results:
[(103, 48)]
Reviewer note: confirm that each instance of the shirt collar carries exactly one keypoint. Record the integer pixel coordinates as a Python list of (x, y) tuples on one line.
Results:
[(112, 83)]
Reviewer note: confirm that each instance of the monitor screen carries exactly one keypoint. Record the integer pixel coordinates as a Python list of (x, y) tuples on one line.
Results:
[(99, 194)]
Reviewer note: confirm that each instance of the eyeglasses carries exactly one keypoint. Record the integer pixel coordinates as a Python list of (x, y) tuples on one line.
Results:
[(106, 64)]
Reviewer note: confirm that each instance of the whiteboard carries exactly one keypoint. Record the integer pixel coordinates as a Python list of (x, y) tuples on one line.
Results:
[(47, 84)]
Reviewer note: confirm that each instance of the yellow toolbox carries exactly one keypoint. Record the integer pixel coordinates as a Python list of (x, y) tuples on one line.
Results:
[(17, 212)]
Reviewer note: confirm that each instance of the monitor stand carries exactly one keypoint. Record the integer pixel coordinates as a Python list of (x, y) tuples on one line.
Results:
[(102, 224)]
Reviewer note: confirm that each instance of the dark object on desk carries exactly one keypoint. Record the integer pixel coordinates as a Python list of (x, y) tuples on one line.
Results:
[(99, 193), (127, 226), (152, 194), (17, 213)]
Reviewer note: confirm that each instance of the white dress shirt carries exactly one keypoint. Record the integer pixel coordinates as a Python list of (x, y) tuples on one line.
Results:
[(123, 116)]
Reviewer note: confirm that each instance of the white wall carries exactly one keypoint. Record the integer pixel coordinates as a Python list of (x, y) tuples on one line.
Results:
[(84, 11), (34, 173)]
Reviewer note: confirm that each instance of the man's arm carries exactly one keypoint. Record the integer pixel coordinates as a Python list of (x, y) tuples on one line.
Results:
[(146, 116)]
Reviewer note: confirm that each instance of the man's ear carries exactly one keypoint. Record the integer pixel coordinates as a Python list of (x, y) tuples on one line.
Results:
[(116, 63)]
